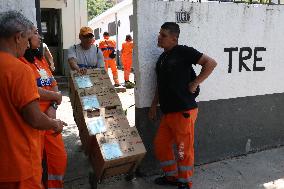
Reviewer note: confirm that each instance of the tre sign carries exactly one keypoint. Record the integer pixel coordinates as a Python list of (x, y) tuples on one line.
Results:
[(245, 54)]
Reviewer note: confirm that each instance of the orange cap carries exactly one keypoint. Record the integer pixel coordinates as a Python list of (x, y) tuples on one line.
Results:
[(86, 31)]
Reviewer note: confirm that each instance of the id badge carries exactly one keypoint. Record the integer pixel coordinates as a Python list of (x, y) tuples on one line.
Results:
[(43, 74)]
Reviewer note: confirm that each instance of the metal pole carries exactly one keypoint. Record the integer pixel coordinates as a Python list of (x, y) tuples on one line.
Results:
[(116, 33), (38, 19)]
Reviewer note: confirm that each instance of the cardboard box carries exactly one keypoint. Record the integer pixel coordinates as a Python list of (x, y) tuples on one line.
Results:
[(116, 152), (96, 81), (96, 122), (99, 73), (113, 122), (82, 128), (106, 96), (112, 145), (108, 112), (93, 78)]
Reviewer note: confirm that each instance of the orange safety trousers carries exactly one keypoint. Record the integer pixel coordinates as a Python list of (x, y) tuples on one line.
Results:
[(127, 63), (56, 159), (177, 130), (112, 64), (30, 183)]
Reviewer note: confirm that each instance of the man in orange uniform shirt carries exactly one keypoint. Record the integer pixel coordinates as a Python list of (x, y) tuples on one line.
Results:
[(53, 146), (126, 56), (108, 46), (21, 118)]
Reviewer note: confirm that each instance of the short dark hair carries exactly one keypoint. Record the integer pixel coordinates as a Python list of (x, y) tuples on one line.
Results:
[(128, 38), (105, 34), (172, 27)]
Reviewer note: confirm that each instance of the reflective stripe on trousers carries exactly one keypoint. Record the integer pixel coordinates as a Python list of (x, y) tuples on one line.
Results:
[(185, 180), (168, 163), (55, 177), (56, 158)]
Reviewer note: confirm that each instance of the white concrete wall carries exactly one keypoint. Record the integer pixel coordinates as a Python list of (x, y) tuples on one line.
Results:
[(26, 7), (213, 27), (123, 10), (74, 16)]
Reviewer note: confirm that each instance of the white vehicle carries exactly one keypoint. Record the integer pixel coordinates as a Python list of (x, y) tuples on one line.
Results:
[(118, 21)]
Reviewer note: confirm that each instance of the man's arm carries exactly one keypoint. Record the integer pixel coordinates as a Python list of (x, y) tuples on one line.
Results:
[(38, 120), (51, 111), (208, 64), (73, 64), (153, 109), (50, 95)]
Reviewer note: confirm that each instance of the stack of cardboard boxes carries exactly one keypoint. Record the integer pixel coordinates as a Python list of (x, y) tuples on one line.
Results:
[(112, 145)]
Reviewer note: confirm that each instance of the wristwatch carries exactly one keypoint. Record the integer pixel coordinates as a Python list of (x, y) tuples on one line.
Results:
[(54, 105)]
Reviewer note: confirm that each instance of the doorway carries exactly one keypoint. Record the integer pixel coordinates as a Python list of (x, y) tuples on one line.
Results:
[(51, 24)]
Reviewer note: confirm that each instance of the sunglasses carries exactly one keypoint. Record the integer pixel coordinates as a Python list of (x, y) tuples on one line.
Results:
[(89, 36)]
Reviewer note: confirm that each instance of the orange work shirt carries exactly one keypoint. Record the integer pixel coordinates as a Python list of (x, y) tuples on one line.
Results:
[(127, 48), (107, 46), (43, 78), (20, 152)]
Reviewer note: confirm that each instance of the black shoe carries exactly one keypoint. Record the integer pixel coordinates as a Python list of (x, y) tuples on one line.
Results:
[(116, 85), (165, 181), (183, 186), (129, 85)]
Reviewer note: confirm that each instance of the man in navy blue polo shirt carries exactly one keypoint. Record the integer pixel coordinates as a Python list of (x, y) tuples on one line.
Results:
[(177, 88)]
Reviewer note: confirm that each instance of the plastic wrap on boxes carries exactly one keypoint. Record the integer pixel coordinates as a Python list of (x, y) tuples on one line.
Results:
[(105, 98), (96, 125), (90, 102), (83, 82), (111, 150), (128, 139)]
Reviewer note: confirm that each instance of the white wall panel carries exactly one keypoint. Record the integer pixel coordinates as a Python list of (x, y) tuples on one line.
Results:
[(26, 7), (213, 27)]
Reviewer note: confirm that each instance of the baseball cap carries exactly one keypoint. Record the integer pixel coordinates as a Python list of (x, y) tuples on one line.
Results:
[(86, 31)]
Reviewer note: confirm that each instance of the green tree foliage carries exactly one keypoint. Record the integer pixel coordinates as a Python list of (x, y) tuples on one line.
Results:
[(96, 7)]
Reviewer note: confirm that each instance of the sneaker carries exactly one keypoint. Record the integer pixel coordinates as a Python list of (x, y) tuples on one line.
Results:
[(166, 181), (129, 85), (116, 85), (183, 186)]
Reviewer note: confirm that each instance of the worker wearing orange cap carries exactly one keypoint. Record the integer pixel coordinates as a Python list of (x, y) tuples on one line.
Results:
[(108, 45), (126, 56), (85, 55)]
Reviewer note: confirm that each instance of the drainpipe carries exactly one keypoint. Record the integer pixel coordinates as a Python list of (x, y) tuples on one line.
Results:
[(116, 32)]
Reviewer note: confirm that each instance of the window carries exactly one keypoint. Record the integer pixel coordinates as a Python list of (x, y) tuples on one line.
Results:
[(131, 23), (97, 33), (111, 29)]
